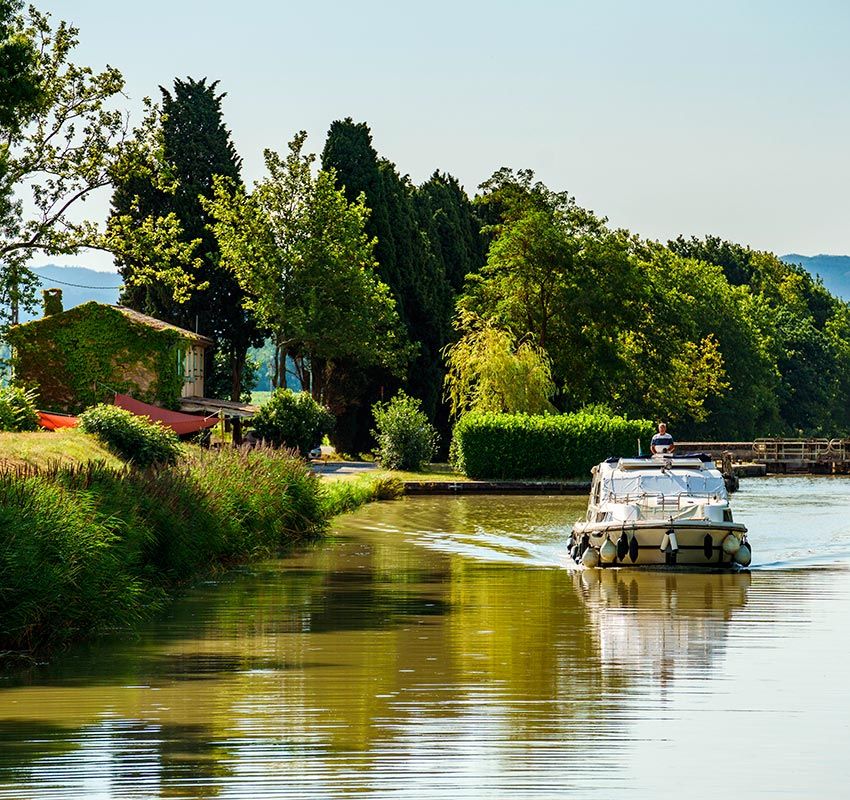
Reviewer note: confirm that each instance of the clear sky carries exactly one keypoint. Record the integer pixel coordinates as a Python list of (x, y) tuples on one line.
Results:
[(720, 117)]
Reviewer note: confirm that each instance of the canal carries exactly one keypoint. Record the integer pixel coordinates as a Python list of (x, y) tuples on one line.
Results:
[(440, 648)]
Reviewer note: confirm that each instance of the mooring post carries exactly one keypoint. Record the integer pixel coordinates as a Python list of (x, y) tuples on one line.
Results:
[(729, 476)]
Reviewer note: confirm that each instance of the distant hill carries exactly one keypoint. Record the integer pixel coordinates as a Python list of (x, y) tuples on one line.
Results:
[(833, 270), (78, 285)]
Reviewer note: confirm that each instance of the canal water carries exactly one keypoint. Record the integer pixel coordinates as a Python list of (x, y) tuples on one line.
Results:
[(440, 648)]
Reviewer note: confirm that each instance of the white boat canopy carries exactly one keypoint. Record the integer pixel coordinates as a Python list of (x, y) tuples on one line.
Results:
[(638, 477)]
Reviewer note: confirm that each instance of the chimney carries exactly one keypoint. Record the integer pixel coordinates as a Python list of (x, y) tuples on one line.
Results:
[(52, 301)]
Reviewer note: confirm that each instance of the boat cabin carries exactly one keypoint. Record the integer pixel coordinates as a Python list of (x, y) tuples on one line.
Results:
[(640, 488)]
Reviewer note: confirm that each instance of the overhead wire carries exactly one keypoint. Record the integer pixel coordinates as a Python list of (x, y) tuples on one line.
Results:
[(45, 279)]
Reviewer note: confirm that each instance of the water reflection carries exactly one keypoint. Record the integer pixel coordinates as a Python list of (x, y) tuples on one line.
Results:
[(426, 652), (658, 622)]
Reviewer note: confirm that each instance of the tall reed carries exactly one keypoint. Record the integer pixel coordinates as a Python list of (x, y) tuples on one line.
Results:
[(87, 548)]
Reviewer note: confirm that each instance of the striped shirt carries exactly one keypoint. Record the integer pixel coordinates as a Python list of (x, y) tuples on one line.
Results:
[(662, 441)]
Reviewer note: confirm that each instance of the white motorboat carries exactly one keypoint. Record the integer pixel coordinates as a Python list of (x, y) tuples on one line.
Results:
[(656, 511)]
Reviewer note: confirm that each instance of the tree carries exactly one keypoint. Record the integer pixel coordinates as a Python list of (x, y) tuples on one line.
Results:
[(489, 371), (555, 271), (57, 141), (427, 240), (453, 227), (21, 90), (62, 141), (299, 250), (195, 147), (799, 336), (348, 151), (696, 354), (735, 260)]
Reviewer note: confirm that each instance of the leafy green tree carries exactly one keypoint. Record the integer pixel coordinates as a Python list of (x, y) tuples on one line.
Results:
[(427, 241), (424, 294), (195, 147), (58, 136), (809, 380), (550, 271), (675, 387), (453, 227), (21, 89), (800, 331), (489, 372), (61, 142), (299, 250), (349, 152), (735, 260), (698, 351), (20, 96), (626, 323)]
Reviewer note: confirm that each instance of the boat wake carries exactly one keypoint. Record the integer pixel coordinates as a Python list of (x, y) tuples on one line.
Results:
[(526, 549)]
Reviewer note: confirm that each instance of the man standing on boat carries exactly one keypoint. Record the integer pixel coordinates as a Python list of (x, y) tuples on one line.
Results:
[(662, 442)]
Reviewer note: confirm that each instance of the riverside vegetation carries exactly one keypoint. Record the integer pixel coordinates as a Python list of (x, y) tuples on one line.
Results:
[(90, 547)]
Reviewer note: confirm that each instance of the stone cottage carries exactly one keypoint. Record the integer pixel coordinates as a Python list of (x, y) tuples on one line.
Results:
[(87, 354)]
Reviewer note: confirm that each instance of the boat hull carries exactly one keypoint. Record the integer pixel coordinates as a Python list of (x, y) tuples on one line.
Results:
[(697, 543)]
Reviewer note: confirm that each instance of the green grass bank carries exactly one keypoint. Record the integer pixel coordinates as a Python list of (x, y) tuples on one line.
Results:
[(95, 545), (68, 447)]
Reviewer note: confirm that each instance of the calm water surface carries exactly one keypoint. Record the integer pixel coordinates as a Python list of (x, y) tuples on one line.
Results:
[(440, 648)]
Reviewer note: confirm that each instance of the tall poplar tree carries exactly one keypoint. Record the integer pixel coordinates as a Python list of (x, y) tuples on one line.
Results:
[(196, 146)]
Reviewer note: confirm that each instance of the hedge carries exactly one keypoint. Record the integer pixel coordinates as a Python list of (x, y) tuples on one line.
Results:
[(511, 446)]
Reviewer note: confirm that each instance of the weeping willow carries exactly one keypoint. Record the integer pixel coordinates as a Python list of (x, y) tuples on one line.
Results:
[(490, 371)]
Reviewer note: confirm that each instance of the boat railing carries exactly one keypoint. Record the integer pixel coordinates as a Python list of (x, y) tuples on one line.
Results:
[(664, 505), (662, 500)]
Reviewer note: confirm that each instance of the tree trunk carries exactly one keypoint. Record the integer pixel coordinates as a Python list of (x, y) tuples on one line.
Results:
[(237, 364)]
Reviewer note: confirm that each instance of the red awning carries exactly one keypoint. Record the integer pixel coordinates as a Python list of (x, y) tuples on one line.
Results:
[(52, 422), (178, 422)]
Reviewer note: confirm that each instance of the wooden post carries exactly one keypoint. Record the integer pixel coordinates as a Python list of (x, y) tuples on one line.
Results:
[(729, 476)]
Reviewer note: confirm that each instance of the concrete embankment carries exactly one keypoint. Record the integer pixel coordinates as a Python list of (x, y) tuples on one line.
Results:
[(496, 487), (446, 483)]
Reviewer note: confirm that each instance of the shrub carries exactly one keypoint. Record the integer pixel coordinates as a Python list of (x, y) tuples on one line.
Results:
[(293, 419), (17, 409), (134, 438), (406, 440), (510, 446)]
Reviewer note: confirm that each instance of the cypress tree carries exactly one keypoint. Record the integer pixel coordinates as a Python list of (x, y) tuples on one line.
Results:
[(428, 241), (197, 146), (454, 229), (348, 149)]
